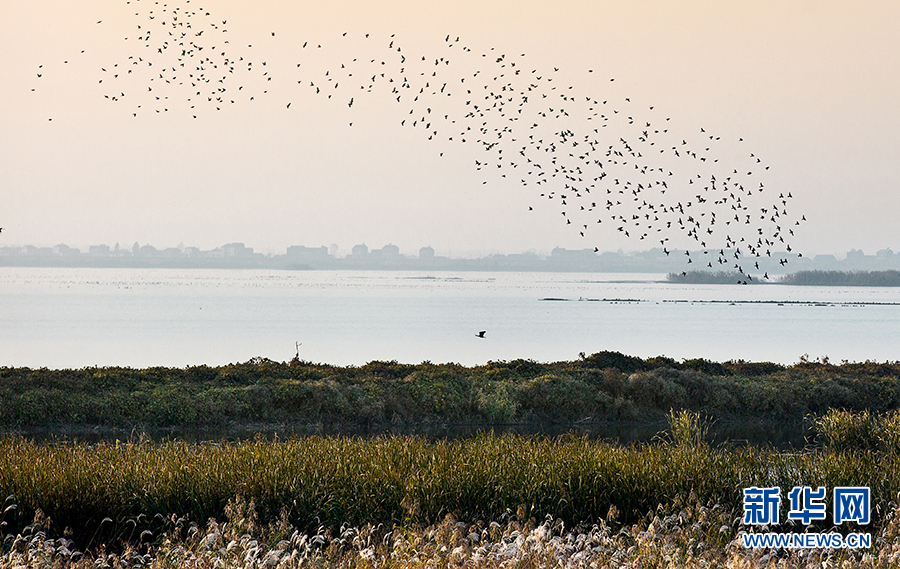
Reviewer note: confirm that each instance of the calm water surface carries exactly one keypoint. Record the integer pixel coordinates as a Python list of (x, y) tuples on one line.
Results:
[(171, 317)]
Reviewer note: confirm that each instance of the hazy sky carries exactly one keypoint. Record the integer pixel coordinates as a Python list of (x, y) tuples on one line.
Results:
[(811, 86)]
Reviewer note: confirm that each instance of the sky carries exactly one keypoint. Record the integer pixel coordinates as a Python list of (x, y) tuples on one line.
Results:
[(811, 87)]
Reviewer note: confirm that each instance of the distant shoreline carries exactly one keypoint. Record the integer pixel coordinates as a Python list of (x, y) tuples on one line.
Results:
[(388, 258)]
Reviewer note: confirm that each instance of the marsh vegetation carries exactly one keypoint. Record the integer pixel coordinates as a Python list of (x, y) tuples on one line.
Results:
[(485, 500), (136, 491), (603, 387)]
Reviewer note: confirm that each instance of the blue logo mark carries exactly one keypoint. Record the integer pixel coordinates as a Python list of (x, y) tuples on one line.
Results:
[(761, 505), (807, 504), (851, 504)]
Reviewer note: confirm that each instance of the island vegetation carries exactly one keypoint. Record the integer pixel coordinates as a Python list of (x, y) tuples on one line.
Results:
[(710, 277), (799, 278), (842, 278)]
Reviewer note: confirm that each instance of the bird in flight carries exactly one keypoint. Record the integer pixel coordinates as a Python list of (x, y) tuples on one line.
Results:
[(480, 334), (573, 145)]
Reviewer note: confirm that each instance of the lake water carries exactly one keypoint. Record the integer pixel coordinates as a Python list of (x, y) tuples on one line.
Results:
[(59, 318)]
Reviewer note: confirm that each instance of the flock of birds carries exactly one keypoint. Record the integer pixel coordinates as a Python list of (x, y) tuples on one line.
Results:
[(601, 161)]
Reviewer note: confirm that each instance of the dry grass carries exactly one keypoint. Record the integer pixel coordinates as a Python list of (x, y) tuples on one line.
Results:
[(395, 501), (686, 535)]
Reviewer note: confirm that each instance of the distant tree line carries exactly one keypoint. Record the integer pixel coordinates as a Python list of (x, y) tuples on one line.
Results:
[(842, 278), (708, 277), (800, 278)]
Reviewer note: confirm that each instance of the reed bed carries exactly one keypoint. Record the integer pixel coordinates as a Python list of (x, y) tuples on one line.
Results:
[(840, 430), (112, 492), (686, 534)]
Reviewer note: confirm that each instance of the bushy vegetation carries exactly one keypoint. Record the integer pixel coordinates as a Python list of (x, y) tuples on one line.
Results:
[(606, 386), (842, 278)]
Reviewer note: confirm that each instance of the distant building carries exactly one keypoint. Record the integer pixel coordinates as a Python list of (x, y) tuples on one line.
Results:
[(359, 250), (560, 253), (528, 256), (98, 250), (390, 251), (656, 254), (311, 253), (426, 253), (236, 250), (64, 250)]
